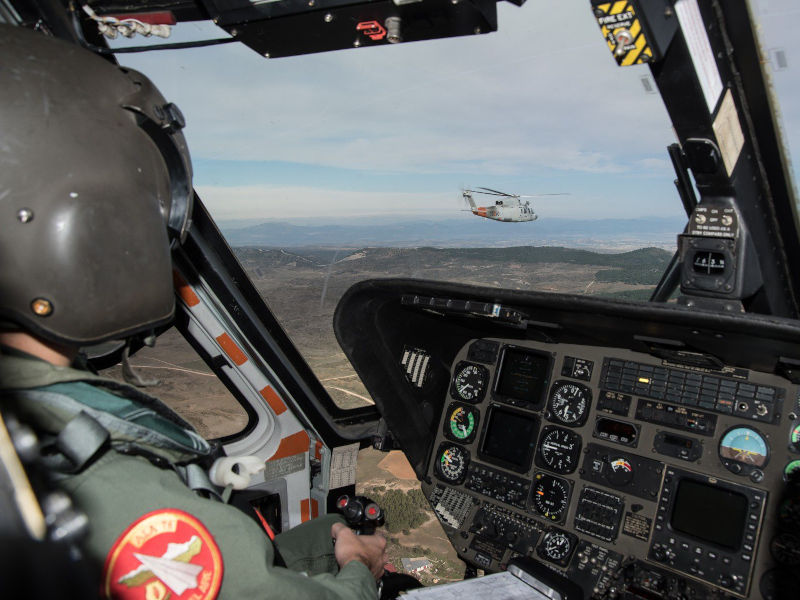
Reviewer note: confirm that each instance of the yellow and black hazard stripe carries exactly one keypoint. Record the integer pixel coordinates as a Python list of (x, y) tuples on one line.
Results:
[(616, 18)]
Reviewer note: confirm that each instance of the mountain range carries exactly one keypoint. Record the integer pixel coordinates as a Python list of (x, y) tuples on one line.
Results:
[(454, 233)]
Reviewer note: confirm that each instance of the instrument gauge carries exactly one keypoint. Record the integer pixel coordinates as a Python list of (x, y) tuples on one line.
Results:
[(785, 549), (569, 403), (795, 437), (469, 382), (462, 422), (743, 449), (451, 463), (558, 449), (550, 496), (791, 472), (557, 546)]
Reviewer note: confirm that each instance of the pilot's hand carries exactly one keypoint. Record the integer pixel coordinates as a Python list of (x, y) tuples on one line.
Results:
[(368, 549)]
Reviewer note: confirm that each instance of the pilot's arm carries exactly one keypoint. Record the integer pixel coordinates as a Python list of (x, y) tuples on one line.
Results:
[(155, 537)]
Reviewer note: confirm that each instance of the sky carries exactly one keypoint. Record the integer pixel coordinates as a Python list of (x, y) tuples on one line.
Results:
[(537, 107)]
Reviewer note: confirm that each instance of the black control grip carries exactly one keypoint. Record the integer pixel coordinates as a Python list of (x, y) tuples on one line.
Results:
[(362, 514)]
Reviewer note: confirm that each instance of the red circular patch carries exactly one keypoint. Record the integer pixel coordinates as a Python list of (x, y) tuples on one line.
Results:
[(164, 554)]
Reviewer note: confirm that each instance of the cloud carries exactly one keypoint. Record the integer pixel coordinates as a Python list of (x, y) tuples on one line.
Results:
[(529, 96), (538, 106), (287, 202)]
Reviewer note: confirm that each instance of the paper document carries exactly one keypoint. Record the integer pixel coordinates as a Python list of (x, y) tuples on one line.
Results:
[(343, 466), (500, 586)]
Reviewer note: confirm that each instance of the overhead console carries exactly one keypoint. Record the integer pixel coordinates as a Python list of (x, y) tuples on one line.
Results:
[(606, 441)]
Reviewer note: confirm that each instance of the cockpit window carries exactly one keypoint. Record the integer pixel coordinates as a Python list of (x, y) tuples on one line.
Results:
[(777, 23), (328, 169), (177, 375)]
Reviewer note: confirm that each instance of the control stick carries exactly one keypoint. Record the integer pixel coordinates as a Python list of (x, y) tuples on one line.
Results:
[(362, 514)]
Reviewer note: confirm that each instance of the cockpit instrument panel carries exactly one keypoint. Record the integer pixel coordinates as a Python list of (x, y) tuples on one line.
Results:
[(578, 453)]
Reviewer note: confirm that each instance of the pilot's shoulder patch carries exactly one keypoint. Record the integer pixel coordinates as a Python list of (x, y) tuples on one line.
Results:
[(166, 553)]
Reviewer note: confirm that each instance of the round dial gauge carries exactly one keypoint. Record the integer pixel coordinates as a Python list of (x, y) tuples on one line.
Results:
[(791, 472), (795, 437), (785, 548), (451, 463), (550, 496), (557, 546), (743, 449), (470, 382), (462, 422), (559, 449), (569, 403), (620, 471)]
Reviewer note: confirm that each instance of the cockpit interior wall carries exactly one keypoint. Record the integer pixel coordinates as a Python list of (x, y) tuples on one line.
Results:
[(580, 431)]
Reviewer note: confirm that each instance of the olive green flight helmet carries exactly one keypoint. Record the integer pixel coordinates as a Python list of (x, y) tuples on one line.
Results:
[(95, 184)]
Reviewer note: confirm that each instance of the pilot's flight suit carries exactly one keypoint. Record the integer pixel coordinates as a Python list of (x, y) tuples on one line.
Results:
[(149, 530)]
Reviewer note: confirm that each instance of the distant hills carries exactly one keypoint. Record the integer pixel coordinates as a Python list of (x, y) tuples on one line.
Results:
[(601, 234), (637, 267)]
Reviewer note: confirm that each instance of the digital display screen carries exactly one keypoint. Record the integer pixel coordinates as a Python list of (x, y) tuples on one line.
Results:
[(678, 441), (709, 513), (523, 375), (509, 438)]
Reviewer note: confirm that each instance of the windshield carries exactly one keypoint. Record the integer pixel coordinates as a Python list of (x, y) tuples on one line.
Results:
[(327, 169), (521, 159)]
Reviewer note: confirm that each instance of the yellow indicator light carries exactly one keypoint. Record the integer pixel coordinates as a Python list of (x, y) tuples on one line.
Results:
[(644, 380)]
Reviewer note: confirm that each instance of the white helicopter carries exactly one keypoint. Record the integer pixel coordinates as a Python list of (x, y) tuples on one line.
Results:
[(509, 208)]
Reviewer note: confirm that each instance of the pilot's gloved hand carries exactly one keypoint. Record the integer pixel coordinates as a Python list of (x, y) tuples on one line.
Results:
[(368, 549)]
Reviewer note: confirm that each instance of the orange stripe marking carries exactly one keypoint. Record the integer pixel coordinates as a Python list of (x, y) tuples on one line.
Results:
[(231, 349), (314, 508), (305, 510), (184, 290), (297, 443), (274, 401)]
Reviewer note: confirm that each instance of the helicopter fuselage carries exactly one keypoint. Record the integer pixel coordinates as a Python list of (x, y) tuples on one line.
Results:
[(514, 213)]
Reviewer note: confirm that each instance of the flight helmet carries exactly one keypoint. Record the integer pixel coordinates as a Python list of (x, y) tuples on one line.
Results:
[(95, 187)]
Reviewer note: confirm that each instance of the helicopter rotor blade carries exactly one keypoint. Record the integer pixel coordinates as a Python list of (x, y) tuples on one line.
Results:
[(541, 195), (496, 192)]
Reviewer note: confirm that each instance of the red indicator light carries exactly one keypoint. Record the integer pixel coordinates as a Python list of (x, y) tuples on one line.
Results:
[(342, 501), (373, 29)]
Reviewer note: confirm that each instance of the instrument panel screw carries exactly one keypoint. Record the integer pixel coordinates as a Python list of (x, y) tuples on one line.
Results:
[(24, 215)]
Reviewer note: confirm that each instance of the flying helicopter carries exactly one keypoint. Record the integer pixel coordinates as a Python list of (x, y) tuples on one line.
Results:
[(508, 208)]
